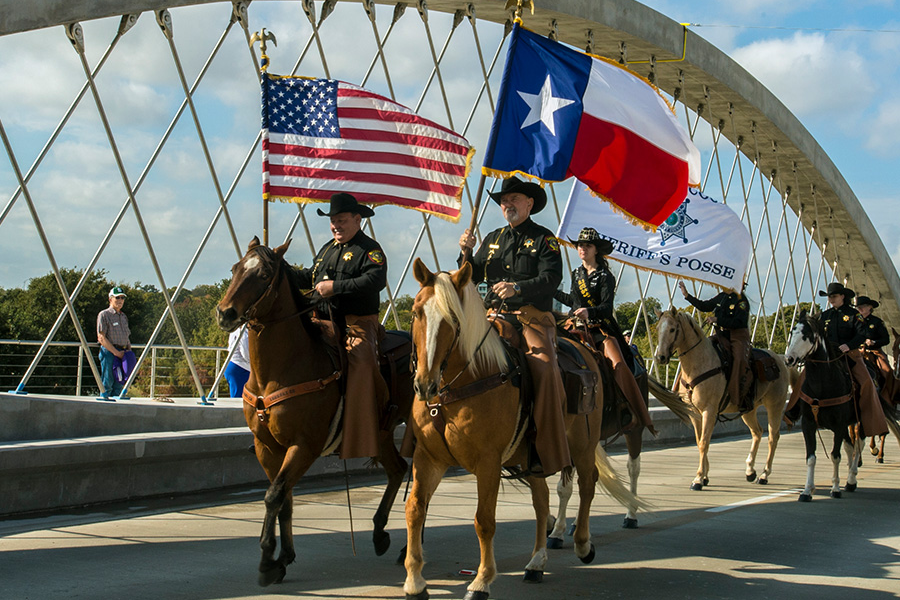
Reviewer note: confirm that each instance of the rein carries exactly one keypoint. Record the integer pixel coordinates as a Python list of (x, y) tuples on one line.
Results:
[(262, 404)]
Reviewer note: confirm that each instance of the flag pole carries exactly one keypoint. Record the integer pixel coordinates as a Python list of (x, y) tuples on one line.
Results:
[(467, 254), (262, 36)]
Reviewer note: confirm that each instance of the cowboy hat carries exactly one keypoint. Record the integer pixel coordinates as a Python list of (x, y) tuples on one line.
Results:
[(862, 300), (589, 235), (344, 202), (528, 188), (836, 287)]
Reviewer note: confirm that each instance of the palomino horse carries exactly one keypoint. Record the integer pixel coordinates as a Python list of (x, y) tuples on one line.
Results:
[(468, 413), (634, 436), (702, 369), (825, 403), (297, 403)]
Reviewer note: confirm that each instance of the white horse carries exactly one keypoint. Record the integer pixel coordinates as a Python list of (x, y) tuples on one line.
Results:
[(701, 372)]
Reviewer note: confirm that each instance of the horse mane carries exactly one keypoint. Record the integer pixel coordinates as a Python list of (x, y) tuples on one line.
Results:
[(468, 312), (691, 322), (301, 301)]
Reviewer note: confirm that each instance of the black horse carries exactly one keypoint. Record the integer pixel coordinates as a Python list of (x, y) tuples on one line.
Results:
[(825, 402)]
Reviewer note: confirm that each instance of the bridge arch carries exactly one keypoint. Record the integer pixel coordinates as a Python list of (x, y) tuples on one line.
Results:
[(808, 226)]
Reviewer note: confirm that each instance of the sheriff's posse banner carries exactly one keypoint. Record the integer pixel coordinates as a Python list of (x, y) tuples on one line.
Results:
[(702, 240)]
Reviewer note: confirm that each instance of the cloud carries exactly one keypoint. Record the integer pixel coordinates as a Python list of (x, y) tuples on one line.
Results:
[(884, 128), (812, 75)]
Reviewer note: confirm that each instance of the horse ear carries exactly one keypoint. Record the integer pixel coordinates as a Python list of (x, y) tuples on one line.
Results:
[(282, 249), (895, 332), (657, 313), (253, 243), (802, 314), (422, 274), (462, 276)]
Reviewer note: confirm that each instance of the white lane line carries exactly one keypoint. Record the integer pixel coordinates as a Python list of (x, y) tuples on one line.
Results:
[(756, 500)]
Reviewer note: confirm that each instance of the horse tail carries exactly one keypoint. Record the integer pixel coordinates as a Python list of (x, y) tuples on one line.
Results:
[(671, 400), (613, 484), (890, 415)]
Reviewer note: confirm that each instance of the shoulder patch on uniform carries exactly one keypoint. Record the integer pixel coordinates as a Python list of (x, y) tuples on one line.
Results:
[(553, 243), (376, 257)]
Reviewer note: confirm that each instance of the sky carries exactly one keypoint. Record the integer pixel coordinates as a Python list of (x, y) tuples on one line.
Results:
[(833, 64)]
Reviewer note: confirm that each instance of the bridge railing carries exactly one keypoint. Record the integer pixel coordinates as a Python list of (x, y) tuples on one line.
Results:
[(64, 370)]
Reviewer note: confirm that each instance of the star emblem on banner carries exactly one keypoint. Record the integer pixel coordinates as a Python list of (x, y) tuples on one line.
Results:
[(676, 224), (542, 105)]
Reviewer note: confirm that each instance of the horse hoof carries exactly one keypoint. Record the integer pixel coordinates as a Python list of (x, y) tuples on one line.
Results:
[(696, 487), (763, 481), (874, 451), (554, 543), (423, 595), (751, 477), (836, 494), (382, 541), (705, 481), (805, 498), (533, 576), (274, 575), (879, 460), (589, 557), (571, 529), (470, 595), (629, 523), (401, 559), (850, 487)]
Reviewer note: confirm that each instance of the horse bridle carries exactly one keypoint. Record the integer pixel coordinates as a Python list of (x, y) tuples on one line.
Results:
[(818, 341), (249, 315), (679, 332)]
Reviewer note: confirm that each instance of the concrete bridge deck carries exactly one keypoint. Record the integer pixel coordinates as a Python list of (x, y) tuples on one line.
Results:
[(732, 540)]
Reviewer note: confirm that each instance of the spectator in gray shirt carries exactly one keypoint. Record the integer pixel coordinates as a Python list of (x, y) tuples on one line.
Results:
[(113, 335)]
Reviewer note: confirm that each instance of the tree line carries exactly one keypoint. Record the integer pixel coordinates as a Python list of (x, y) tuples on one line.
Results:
[(29, 313)]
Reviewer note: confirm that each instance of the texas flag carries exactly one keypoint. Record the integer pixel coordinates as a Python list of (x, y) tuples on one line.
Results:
[(562, 113)]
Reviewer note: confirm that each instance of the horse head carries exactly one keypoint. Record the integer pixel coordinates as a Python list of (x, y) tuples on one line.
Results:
[(449, 326), (667, 328), (803, 340), (254, 282)]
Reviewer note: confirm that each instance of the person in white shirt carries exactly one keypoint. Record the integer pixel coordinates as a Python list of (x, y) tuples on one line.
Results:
[(237, 372)]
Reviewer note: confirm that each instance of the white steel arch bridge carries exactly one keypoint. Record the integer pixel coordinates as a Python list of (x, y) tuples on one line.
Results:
[(146, 131)]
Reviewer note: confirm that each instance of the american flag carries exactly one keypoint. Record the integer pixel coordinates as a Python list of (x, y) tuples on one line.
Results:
[(323, 136)]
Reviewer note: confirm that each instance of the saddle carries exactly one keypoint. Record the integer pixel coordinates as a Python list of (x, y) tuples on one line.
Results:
[(748, 378), (580, 382)]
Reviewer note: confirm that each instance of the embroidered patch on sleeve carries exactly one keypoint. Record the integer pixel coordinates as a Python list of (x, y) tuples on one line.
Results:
[(553, 244), (376, 257)]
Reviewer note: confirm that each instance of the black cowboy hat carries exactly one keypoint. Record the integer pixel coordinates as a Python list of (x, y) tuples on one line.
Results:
[(343, 202), (861, 300), (528, 188), (589, 235), (836, 287)]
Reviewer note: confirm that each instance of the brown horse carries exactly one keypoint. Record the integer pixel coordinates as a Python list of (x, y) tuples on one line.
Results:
[(468, 413), (878, 450), (292, 401)]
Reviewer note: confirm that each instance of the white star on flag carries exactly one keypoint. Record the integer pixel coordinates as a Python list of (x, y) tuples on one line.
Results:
[(542, 106)]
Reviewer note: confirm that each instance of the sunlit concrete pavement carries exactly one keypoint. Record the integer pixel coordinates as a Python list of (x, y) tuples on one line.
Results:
[(732, 540)]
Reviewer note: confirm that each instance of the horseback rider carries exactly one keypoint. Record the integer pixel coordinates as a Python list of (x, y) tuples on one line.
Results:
[(349, 272), (846, 329), (592, 295), (519, 267), (731, 315), (877, 337)]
